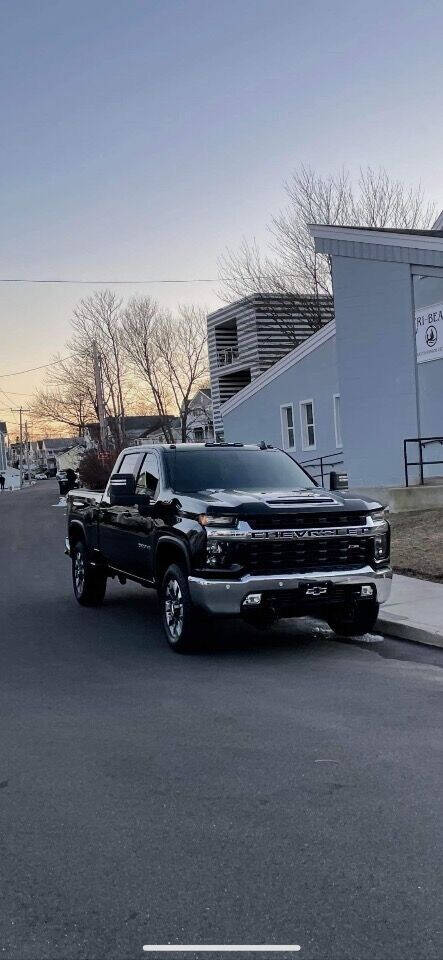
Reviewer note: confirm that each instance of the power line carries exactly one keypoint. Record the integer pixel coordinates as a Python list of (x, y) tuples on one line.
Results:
[(53, 363), (106, 282), (7, 395), (18, 393)]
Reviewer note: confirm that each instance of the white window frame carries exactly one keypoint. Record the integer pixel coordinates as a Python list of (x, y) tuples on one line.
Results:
[(304, 426), (337, 421), (285, 428)]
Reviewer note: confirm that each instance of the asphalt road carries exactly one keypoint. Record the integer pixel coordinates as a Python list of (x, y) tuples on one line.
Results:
[(279, 788)]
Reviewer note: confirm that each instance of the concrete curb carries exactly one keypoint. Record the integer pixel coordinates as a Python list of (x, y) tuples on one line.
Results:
[(407, 630)]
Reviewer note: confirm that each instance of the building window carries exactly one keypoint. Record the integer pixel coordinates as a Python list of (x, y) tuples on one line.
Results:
[(307, 424), (337, 421), (287, 426), (199, 435)]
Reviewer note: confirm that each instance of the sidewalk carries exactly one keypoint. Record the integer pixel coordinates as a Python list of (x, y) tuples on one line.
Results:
[(414, 611)]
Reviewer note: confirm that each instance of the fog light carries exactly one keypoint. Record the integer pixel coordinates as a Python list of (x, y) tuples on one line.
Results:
[(216, 553), (252, 599), (381, 547), (367, 590)]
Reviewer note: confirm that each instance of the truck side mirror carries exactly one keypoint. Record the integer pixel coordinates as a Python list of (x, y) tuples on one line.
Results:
[(122, 490)]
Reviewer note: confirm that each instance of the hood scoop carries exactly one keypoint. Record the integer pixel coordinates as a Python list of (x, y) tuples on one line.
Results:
[(303, 498)]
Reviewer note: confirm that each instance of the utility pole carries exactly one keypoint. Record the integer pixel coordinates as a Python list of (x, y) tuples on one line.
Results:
[(21, 411), (100, 397), (27, 452)]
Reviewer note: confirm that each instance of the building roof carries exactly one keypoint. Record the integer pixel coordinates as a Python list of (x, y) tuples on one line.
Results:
[(138, 423), (392, 230), (418, 247), (171, 421), (57, 444), (135, 427)]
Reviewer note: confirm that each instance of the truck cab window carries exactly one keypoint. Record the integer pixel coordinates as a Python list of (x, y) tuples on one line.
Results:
[(129, 463), (148, 478)]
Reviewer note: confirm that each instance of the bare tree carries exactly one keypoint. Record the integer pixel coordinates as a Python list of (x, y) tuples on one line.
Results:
[(183, 355), (98, 319), (169, 353), (70, 406), (291, 267), (142, 324)]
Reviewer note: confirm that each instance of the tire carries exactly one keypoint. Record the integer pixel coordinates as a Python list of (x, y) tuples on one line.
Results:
[(181, 620), (355, 620), (89, 582)]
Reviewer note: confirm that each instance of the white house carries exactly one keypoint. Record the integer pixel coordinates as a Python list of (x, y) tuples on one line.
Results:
[(3, 436), (200, 423)]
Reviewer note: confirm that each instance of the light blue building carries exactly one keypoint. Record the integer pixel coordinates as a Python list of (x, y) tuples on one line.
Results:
[(373, 378)]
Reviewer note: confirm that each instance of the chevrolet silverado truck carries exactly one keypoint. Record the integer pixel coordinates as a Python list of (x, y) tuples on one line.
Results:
[(229, 530)]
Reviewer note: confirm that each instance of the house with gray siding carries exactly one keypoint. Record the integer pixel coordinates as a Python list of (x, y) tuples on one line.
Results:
[(248, 337), (295, 404), (372, 378)]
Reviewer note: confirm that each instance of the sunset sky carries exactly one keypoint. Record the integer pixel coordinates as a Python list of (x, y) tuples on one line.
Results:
[(142, 137)]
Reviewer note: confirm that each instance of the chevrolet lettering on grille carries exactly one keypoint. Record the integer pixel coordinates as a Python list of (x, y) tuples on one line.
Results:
[(309, 532)]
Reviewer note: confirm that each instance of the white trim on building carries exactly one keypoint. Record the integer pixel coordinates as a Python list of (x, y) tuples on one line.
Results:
[(418, 241), (337, 421)]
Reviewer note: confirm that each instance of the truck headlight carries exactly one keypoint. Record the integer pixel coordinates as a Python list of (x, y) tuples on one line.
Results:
[(221, 521), (380, 519)]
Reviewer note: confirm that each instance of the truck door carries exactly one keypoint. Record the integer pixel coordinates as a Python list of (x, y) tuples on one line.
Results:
[(114, 521), (141, 531)]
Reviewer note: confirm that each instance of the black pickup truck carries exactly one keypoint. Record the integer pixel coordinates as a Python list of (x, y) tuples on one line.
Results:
[(230, 530)]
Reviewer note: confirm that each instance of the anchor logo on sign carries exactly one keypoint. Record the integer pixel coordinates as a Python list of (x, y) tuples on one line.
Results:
[(431, 336)]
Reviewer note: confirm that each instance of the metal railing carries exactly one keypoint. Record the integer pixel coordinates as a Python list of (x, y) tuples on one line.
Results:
[(227, 355), (322, 466), (421, 463)]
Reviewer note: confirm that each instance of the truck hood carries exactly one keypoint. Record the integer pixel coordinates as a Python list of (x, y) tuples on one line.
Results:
[(263, 501)]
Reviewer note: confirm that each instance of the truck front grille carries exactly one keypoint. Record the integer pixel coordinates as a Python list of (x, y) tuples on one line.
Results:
[(298, 521), (291, 556)]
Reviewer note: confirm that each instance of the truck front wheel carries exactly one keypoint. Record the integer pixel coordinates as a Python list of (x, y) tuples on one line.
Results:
[(180, 617), (355, 619), (89, 582)]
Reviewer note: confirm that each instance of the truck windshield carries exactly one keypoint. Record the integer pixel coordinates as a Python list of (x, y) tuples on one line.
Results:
[(234, 469)]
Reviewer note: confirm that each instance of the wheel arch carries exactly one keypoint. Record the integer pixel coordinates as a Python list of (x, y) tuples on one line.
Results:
[(170, 550), (76, 532)]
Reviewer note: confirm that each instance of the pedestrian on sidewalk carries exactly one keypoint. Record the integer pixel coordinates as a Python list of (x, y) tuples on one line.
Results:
[(2, 481)]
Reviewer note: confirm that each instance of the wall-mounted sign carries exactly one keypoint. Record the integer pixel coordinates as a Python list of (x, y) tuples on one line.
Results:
[(429, 332)]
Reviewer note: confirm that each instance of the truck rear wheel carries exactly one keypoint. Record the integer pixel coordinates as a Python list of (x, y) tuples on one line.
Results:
[(179, 615), (89, 582), (355, 619)]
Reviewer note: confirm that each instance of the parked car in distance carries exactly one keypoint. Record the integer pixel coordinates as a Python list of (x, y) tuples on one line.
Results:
[(67, 480), (230, 530)]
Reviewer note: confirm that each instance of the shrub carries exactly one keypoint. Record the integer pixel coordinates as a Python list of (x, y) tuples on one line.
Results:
[(95, 468)]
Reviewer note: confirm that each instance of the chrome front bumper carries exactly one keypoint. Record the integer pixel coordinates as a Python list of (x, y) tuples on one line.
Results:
[(225, 597)]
